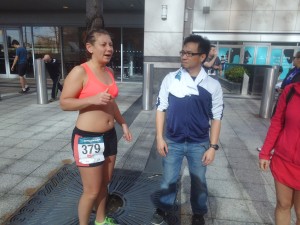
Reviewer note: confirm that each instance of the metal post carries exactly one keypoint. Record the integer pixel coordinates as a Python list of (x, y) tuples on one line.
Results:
[(41, 82), (148, 86), (267, 100)]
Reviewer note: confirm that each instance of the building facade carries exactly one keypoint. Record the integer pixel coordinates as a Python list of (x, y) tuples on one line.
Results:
[(152, 31)]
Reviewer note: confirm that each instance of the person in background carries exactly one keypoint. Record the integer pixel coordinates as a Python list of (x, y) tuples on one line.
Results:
[(191, 104), (223, 61), (20, 60), (52, 67), (212, 64), (91, 89), (281, 152), (294, 74)]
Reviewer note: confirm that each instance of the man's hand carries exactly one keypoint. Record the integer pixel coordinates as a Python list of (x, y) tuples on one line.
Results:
[(162, 147), (208, 156)]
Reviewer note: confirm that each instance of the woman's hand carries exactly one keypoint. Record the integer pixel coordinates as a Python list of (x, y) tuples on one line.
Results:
[(101, 99), (264, 164), (126, 133)]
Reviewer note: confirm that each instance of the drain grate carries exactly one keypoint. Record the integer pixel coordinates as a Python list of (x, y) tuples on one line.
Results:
[(132, 198)]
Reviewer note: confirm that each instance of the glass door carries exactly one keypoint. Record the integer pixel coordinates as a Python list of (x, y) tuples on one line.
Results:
[(12, 34), (256, 53)]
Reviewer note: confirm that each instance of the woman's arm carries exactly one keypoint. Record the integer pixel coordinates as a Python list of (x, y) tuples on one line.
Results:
[(121, 121), (277, 124)]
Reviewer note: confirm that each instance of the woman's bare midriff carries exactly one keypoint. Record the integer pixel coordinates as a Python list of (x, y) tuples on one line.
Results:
[(96, 119)]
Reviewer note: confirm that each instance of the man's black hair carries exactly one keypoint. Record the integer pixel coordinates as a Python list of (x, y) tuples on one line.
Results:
[(15, 42), (203, 43)]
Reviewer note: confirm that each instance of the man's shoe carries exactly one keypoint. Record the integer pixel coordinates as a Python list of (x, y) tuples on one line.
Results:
[(52, 100), (159, 217), (22, 91), (198, 219)]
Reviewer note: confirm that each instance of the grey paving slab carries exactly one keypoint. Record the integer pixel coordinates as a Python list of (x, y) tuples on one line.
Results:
[(9, 141), (60, 157), (22, 167), (27, 186), (29, 143), (215, 172), (8, 181), (39, 155), (15, 153), (258, 192), (46, 170), (253, 176), (54, 144), (44, 136), (240, 152), (243, 163), (4, 162), (224, 189), (231, 209), (6, 133)]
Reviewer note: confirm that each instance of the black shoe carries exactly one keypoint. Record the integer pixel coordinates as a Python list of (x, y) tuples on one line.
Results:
[(22, 91), (27, 89), (198, 219), (159, 218)]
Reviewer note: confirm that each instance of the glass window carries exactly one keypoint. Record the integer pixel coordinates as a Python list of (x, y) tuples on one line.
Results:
[(133, 50), (12, 34), (46, 41)]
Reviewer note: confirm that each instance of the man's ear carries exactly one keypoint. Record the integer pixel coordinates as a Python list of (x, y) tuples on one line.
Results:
[(203, 57)]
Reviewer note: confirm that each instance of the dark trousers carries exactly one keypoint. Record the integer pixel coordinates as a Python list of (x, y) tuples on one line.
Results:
[(56, 86)]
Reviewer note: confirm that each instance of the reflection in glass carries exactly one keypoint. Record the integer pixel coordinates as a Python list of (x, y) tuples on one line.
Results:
[(2, 59), (12, 34), (46, 41), (27, 37), (73, 48)]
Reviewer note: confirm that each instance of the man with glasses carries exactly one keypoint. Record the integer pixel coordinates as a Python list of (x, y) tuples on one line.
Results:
[(212, 64), (191, 102), (294, 74)]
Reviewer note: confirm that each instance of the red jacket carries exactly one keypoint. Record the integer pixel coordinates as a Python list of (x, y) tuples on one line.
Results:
[(284, 132)]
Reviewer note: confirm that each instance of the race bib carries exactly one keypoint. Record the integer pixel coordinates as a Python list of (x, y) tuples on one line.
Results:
[(90, 150)]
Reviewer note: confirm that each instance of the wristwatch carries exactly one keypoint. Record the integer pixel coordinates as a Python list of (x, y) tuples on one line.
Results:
[(216, 147)]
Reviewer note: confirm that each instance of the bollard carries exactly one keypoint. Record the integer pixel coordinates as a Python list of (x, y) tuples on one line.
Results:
[(148, 86), (268, 95), (41, 82)]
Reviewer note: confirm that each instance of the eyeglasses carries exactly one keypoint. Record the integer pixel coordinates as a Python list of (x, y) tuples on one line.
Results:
[(298, 57), (189, 54)]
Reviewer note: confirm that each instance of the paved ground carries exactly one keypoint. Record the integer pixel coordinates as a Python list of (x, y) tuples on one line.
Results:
[(35, 144)]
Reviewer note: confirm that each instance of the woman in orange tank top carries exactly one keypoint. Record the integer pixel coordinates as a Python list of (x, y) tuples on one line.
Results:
[(91, 89)]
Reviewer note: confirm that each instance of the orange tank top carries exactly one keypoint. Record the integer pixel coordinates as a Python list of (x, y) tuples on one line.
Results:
[(93, 86)]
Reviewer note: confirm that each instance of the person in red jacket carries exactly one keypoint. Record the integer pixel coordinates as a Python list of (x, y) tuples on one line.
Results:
[(281, 151)]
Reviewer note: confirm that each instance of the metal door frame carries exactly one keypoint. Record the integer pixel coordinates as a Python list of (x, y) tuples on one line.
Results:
[(6, 56)]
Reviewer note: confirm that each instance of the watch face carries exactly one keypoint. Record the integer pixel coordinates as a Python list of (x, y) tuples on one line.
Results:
[(216, 147)]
